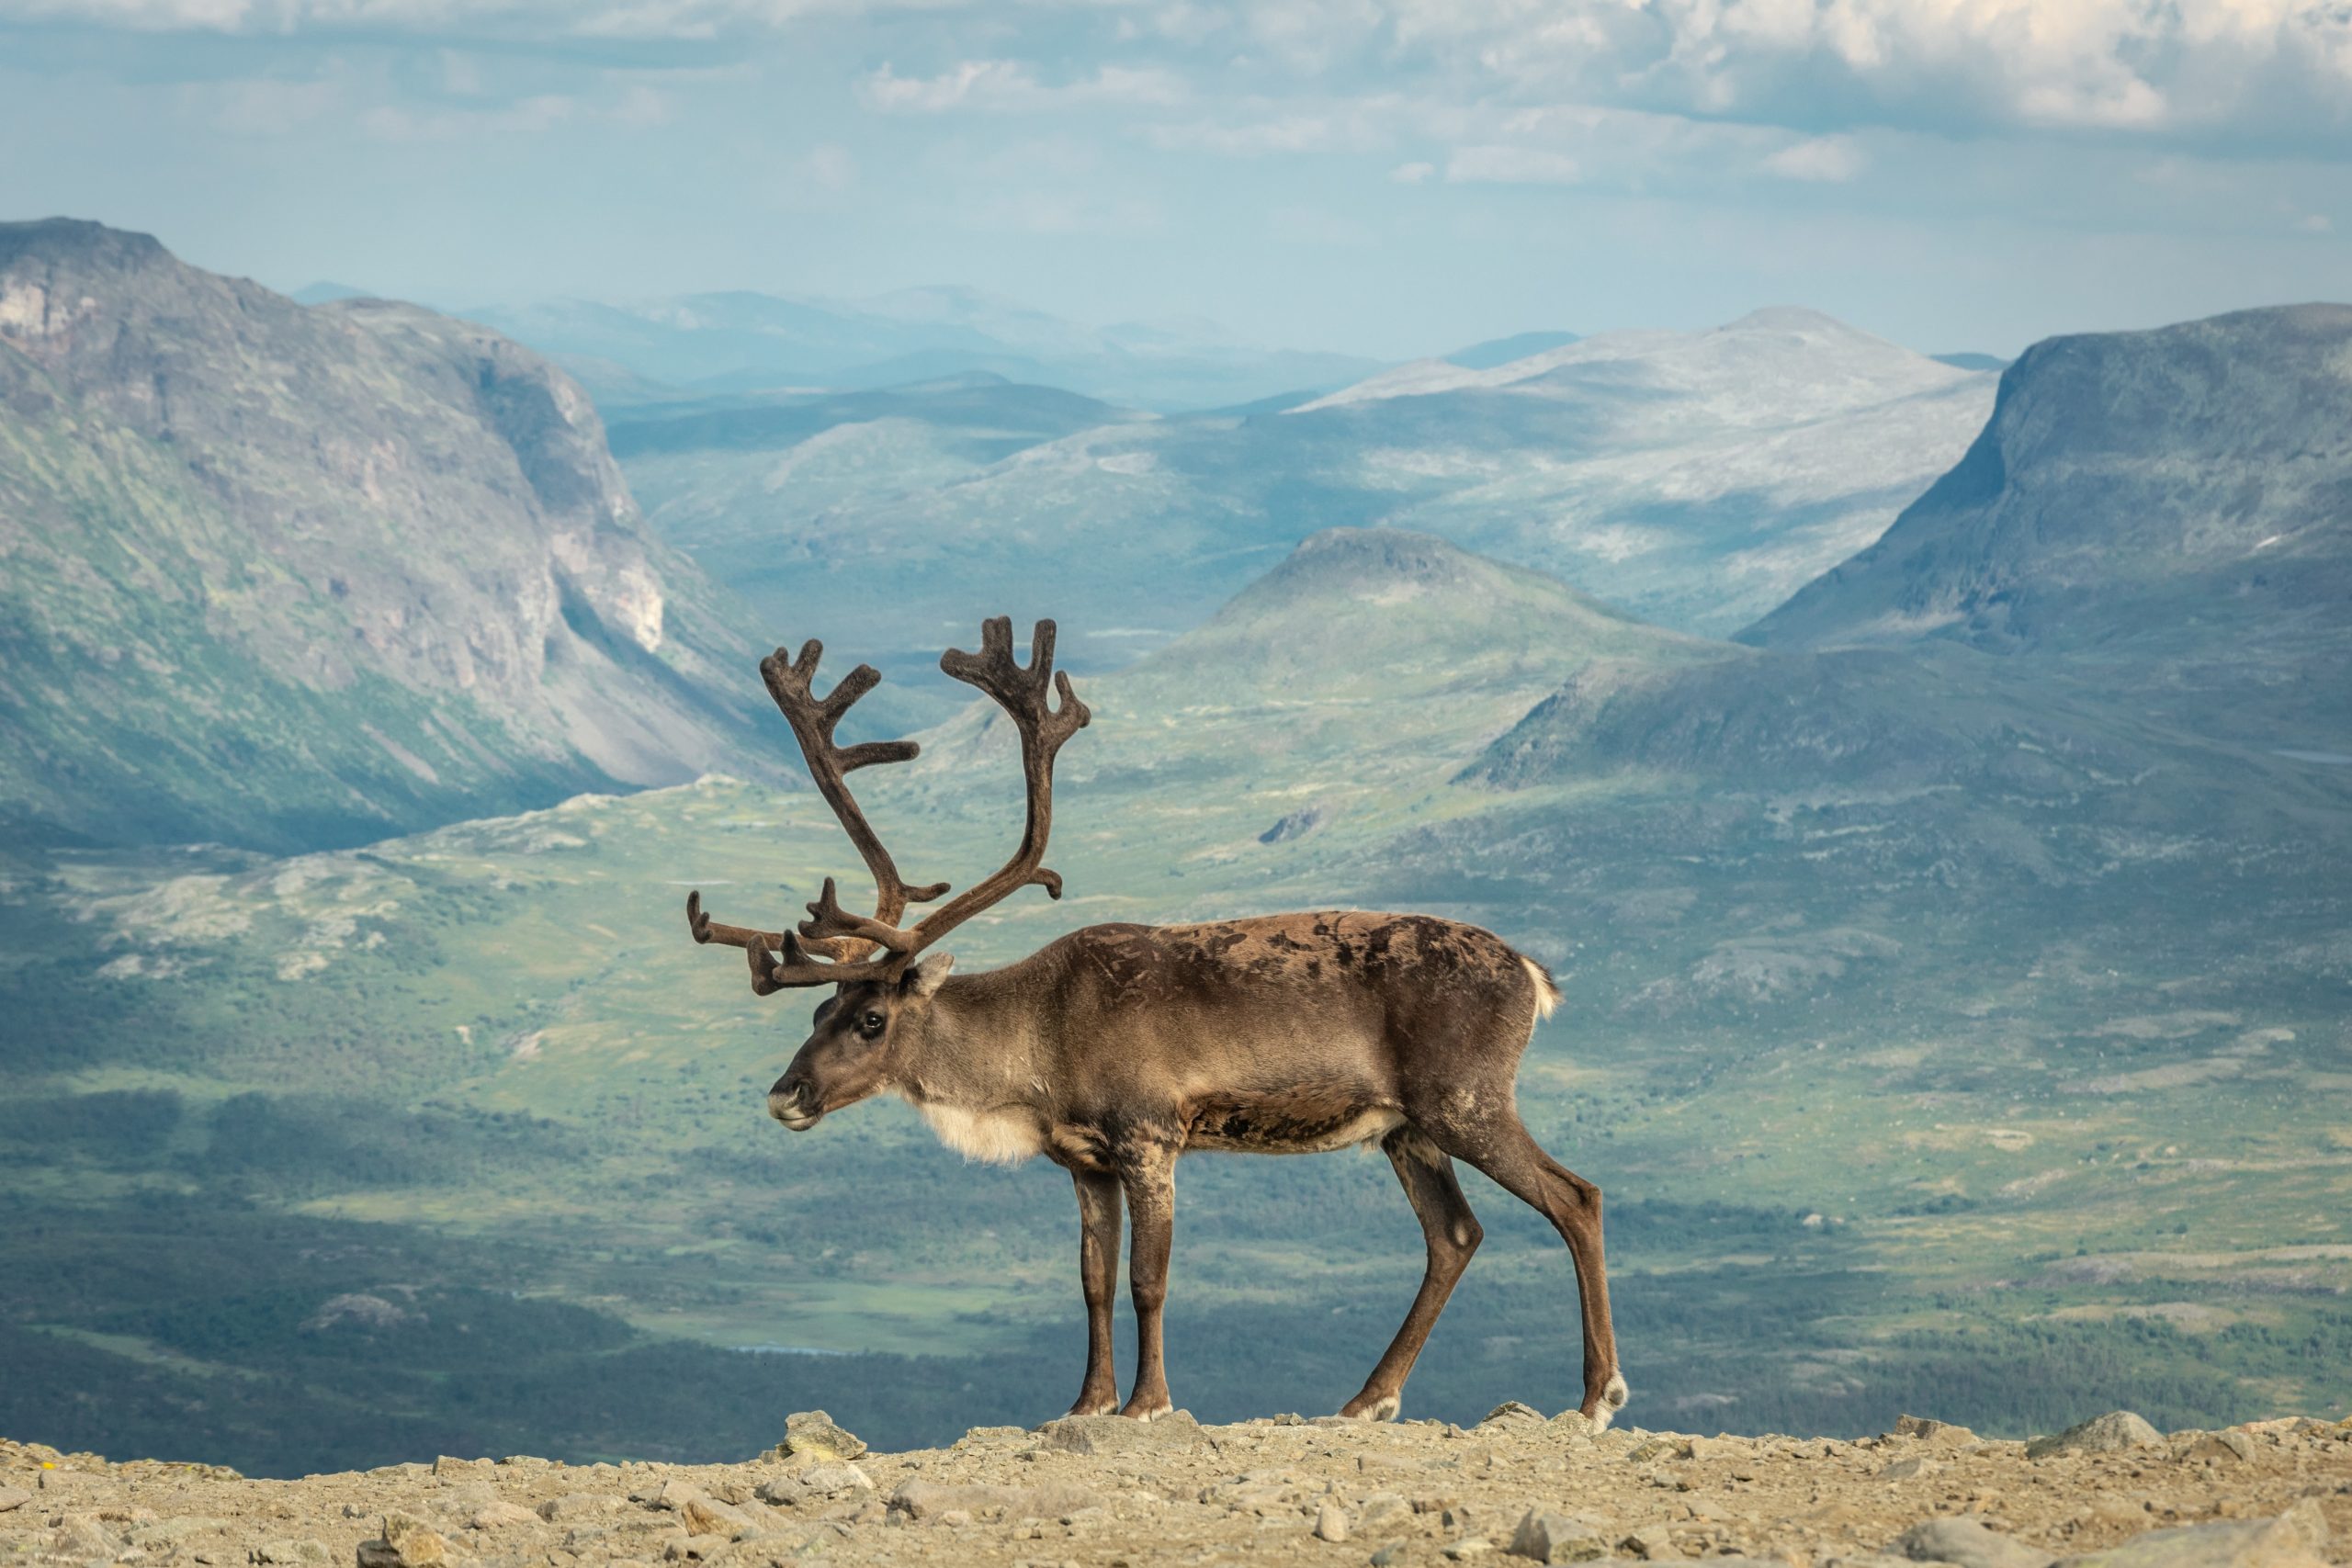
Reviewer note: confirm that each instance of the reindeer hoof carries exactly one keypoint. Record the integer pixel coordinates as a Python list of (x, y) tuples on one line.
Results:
[(1384, 1409), (1613, 1399), (1135, 1411)]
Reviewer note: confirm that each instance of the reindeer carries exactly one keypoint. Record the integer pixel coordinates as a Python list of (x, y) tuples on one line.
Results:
[(1116, 1048)]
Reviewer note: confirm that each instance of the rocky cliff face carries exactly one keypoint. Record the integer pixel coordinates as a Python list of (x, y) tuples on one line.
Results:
[(281, 574), (2181, 491)]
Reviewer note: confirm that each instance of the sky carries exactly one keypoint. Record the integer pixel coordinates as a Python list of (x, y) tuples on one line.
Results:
[(1387, 177)]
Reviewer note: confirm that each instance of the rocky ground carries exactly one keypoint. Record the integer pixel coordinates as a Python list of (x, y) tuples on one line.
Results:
[(1103, 1493)]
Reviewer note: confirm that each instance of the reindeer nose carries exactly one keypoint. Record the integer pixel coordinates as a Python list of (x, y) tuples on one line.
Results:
[(786, 1104)]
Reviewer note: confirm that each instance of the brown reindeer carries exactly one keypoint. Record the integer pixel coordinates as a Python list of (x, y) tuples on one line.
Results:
[(1116, 1049)]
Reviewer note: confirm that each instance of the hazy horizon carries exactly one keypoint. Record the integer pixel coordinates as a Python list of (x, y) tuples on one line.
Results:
[(1385, 180)]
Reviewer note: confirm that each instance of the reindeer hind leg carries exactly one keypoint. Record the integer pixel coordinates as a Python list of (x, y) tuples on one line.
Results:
[(1453, 1233), (1500, 1146)]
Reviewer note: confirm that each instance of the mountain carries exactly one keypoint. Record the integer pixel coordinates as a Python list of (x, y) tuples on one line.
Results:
[(1970, 361), (743, 340), (2178, 502), (1503, 350), (1929, 1015), (326, 291), (281, 575), (1694, 479), (1369, 660)]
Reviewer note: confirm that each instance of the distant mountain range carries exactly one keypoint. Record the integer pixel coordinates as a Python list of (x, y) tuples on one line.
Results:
[(284, 576), (1694, 479), (699, 345)]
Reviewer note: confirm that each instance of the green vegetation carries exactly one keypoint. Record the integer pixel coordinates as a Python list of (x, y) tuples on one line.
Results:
[(1966, 1080)]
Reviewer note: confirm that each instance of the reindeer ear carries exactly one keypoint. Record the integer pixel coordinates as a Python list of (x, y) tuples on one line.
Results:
[(926, 976)]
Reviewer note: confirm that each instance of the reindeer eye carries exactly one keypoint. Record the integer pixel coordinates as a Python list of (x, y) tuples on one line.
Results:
[(871, 1023)]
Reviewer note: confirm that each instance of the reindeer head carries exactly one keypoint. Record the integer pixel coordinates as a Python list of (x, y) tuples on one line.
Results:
[(883, 984)]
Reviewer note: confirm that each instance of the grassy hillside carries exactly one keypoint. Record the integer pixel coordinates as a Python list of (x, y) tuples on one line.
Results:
[(1940, 1041)]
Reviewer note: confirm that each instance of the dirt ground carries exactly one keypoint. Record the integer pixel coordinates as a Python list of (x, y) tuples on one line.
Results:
[(1103, 1493)]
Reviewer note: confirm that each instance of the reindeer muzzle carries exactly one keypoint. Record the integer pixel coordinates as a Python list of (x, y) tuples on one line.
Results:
[(791, 1110)]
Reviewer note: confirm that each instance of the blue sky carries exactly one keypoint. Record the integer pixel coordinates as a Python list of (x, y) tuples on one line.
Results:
[(1391, 178)]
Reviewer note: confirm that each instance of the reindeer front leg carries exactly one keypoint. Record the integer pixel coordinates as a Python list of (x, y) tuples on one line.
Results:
[(1097, 1274), (1150, 1178)]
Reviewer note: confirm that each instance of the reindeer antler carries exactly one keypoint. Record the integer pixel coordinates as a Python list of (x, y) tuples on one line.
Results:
[(1021, 693), (834, 944), (832, 933)]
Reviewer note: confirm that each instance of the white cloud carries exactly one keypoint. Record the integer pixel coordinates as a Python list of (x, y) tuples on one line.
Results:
[(1829, 158), (1412, 173), (1010, 85), (2127, 66), (1511, 165)]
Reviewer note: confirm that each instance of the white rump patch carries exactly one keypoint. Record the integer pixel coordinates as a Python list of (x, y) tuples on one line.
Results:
[(1547, 995), (993, 1137)]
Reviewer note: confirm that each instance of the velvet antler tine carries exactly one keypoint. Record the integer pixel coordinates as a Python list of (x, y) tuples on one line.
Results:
[(828, 921), (703, 928), (865, 753), (1028, 696), (839, 946)]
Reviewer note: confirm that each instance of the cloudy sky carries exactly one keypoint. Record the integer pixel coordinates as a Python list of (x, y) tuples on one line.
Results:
[(1388, 176)]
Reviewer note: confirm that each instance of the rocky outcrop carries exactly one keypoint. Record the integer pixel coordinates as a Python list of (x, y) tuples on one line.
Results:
[(1281, 1490), (2172, 498), (283, 575)]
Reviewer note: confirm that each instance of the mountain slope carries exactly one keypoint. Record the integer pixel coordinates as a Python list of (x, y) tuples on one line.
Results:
[(1693, 479), (2179, 493), (283, 575), (743, 341)]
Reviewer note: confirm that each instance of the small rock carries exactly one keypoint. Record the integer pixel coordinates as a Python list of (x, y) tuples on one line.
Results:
[(81, 1535), (1966, 1541), (1382, 1508), (695, 1548), (2294, 1540), (1176, 1432), (703, 1516), (13, 1498), (1573, 1424), (575, 1508), (1456, 1550), (2112, 1433), (1331, 1521), (291, 1552), (832, 1480), (1654, 1446), (812, 1434), (1652, 1543), (927, 1499), (1387, 1554), (499, 1514), (151, 1534), (407, 1542), (1942, 1434), (1556, 1538), (1512, 1410), (444, 1466), (2218, 1448), (1906, 1469)]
